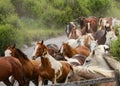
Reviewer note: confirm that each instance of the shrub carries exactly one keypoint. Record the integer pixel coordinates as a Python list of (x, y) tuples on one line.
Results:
[(7, 34), (115, 48)]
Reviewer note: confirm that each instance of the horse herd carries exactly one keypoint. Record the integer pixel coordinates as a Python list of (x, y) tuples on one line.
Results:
[(84, 55)]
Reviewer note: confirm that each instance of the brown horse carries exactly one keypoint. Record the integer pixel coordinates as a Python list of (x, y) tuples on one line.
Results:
[(52, 49), (11, 66), (68, 51), (88, 25), (50, 69), (30, 67), (54, 52)]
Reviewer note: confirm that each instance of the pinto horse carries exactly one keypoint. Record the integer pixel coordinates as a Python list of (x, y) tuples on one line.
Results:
[(68, 51), (75, 33), (105, 23), (69, 28), (30, 67), (50, 69), (11, 66)]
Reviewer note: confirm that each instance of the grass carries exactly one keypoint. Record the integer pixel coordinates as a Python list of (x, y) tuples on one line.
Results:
[(38, 31), (43, 33)]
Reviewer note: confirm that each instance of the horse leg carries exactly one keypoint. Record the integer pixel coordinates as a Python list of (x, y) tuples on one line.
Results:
[(45, 82), (12, 80), (27, 82), (40, 80), (7, 82), (54, 80), (35, 82)]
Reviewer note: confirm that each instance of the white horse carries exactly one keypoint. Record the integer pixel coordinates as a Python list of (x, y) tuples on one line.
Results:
[(110, 36), (102, 59)]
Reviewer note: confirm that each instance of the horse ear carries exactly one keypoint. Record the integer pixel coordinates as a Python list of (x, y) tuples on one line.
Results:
[(93, 53), (42, 42), (96, 41), (13, 46)]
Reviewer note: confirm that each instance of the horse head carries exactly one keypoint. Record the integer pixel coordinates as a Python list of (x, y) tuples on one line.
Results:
[(40, 50), (110, 36), (15, 52), (69, 27), (9, 50)]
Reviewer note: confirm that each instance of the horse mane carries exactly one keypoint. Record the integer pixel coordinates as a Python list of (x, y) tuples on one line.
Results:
[(94, 70), (110, 60), (71, 50), (22, 54)]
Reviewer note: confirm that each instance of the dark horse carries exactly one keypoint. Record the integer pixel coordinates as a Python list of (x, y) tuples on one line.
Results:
[(100, 36), (10, 66)]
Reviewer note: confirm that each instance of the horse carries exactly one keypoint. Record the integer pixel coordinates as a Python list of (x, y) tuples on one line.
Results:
[(68, 51), (50, 69), (54, 52), (88, 25), (81, 73), (88, 41), (96, 58), (30, 67), (105, 23), (110, 36), (76, 60), (11, 66), (85, 40), (75, 33), (69, 27), (100, 36)]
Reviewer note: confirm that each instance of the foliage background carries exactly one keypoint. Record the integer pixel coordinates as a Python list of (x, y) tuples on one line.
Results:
[(23, 21)]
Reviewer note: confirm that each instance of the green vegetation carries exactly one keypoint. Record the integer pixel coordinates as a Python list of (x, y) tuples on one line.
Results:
[(23, 21), (115, 48)]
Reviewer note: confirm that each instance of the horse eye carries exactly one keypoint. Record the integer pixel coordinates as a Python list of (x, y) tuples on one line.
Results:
[(87, 61), (111, 38)]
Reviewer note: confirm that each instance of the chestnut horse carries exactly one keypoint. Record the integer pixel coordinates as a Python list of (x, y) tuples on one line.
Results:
[(51, 69), (68, 51), (11, 66), (88, 25), (30, 67)]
